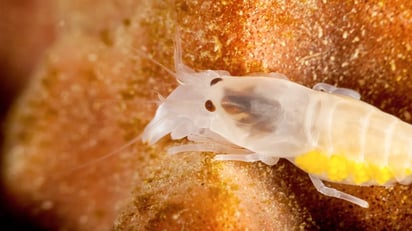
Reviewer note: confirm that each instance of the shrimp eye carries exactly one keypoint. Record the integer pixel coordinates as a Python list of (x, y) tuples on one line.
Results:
[(214, 81), (210, 106)]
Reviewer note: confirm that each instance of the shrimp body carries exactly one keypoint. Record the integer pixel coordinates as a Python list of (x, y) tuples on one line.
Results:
[(355, 143), (332, 137)]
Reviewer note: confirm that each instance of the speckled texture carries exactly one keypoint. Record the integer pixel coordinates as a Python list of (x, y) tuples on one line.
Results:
[(96, 90)]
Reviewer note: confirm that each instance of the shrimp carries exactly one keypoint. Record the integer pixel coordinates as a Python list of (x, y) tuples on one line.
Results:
[(326, 131)]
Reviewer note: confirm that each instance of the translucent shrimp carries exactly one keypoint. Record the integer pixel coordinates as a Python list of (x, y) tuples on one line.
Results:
[(326, 131)]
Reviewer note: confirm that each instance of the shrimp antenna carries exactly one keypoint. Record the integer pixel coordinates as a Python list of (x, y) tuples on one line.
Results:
[(106, 156), (180, 67), (178, 51), (151, 59)]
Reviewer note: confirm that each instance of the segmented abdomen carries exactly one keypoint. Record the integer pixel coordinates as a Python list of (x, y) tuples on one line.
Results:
[(356, 143)]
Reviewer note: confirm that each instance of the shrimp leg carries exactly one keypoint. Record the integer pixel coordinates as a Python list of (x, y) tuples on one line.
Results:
[(204, 147), (336, 90), (248, 158), (322, 188)]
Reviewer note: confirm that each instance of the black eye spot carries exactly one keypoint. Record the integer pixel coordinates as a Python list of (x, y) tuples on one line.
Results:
[(214, 81), (210, 106)]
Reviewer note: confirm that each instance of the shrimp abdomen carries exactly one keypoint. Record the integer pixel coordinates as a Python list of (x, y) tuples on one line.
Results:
[(356, 143)]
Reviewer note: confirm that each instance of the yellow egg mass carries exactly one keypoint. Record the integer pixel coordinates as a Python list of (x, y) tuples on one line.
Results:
[(338, 168)]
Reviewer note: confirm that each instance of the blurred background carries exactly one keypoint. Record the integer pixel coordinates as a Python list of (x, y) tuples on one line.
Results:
[(27, 28)]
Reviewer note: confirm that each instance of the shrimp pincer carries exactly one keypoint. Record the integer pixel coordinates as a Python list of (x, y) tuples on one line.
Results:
[(326, 131)]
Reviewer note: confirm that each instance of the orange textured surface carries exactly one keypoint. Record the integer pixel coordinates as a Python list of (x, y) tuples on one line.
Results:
[(96, 90)]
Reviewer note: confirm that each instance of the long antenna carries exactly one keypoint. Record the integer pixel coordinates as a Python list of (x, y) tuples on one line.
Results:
[(151, 59), (106, 156)]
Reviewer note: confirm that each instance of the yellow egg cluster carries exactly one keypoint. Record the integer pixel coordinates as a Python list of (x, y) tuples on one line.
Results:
[(338, 168)]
